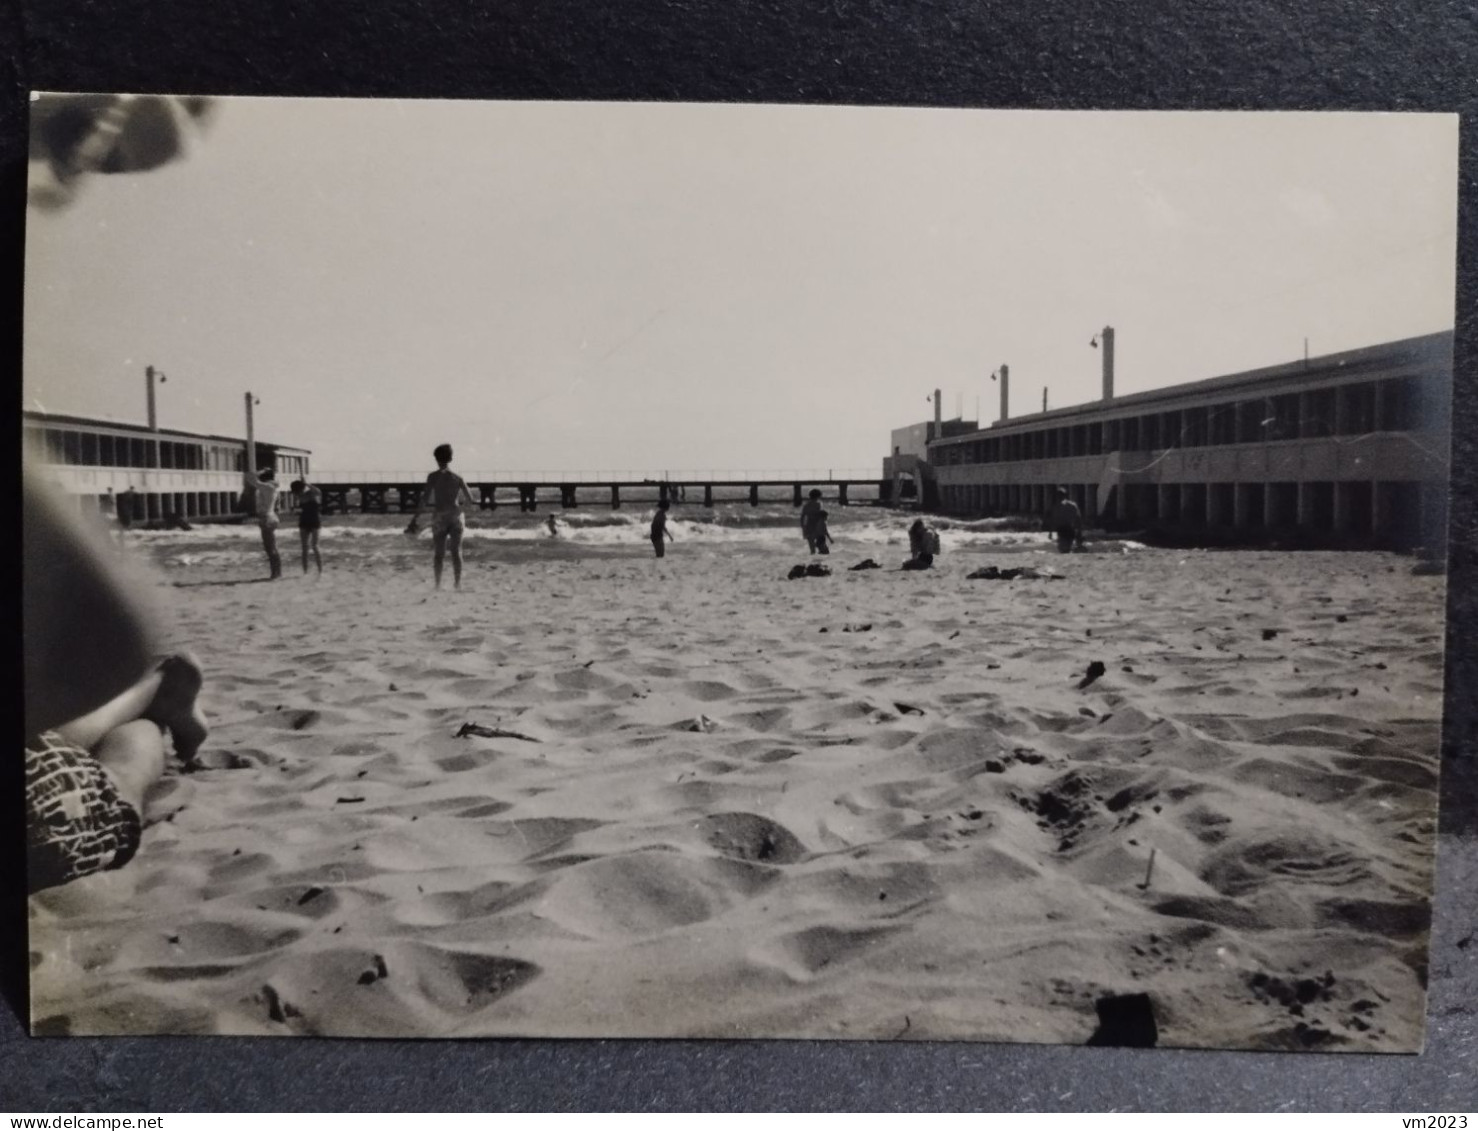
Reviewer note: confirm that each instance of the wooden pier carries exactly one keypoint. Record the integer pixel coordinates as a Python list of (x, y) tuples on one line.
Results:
[(374, 495)]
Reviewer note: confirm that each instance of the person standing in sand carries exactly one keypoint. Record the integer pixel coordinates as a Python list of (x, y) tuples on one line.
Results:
[(820, 533), (310, 520), (809, 512), (447, 492), (264, 486), (1066, 521), (660, 533)]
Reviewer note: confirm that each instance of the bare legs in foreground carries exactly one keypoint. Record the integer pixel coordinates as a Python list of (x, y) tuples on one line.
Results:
[(126, 734)]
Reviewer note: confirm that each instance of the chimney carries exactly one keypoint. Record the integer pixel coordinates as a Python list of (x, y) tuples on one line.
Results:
[(1108, 363), (938, 415), (1005, 392)]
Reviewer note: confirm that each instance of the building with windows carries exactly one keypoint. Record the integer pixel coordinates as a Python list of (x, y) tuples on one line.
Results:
[(1350, 447), (190, 474)]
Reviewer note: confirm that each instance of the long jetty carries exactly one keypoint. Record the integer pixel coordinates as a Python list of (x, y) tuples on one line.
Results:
[(374, 490)]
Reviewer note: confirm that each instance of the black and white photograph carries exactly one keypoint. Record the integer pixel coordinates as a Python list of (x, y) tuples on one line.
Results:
[(577, 569)]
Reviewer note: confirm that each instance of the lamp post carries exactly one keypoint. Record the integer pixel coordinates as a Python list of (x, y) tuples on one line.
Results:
[(150, 375), (248, 465)]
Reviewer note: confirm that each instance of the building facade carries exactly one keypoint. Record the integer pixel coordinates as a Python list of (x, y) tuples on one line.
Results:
[(190, 474), (1352, 446)]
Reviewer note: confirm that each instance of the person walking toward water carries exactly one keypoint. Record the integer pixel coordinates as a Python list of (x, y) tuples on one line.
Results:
[(263, 484), (1066, 521), (660, 533), (809, 512), (310, 504), (447, 492)]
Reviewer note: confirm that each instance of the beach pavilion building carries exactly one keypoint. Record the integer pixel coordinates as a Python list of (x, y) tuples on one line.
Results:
[(1349, 448), (195, 475)]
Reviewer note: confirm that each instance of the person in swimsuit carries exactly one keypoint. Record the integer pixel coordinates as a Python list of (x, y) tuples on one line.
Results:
[(1066, 522), (264, 485), (95, 730), (819, 532), (447, 492), (123, 512), (808, 519), (310, 504), (660, 534)]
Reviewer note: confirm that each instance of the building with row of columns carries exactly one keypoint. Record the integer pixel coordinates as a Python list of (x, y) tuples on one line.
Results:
[(1349, 448), (194, 475)]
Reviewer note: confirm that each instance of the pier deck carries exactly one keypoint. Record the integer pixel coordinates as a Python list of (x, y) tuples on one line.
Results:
[(372, 494)]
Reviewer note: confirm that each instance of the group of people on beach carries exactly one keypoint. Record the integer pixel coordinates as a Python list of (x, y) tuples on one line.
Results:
[(446, 493)]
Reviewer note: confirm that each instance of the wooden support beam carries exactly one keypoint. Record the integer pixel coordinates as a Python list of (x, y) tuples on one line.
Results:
[(754, 494), (708, 494), (842, 494), (796, 496), (615, 497)]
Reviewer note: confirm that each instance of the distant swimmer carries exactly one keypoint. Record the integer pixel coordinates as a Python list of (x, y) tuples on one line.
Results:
[(447, 492), (660, 533), (263, 485), (808, 519), (553, 527), (1066, 521), (310, 509)]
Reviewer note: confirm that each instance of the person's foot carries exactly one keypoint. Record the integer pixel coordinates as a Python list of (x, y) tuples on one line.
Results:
[(176, 705)]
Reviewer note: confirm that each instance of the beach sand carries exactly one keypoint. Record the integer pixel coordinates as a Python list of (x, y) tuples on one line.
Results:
[(871, 805)]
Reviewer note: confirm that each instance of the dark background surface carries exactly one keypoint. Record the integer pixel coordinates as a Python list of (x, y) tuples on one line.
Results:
[(1411, 55)]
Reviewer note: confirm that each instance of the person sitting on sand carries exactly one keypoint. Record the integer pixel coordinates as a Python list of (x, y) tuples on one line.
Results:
[(660, 533), (809, 512), (921, 546), (94, 727), (1066, 521), (820, 533), (447, 492), (263, 484), (310, 520)]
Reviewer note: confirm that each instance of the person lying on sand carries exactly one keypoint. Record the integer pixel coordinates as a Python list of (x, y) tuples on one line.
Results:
[(447, 492), (659, 529), (1066, 521), (94, 726), (310, 520)]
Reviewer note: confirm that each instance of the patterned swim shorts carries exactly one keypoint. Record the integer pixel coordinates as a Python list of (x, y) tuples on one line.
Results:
[(76, 823)]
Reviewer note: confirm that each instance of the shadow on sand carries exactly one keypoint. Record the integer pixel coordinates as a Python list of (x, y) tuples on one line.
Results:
[(208, 584)]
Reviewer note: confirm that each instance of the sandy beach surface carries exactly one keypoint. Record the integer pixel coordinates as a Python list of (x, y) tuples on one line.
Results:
[(872, 805)]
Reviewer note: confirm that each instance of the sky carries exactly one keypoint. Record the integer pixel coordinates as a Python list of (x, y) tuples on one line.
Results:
[(675, 287)]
